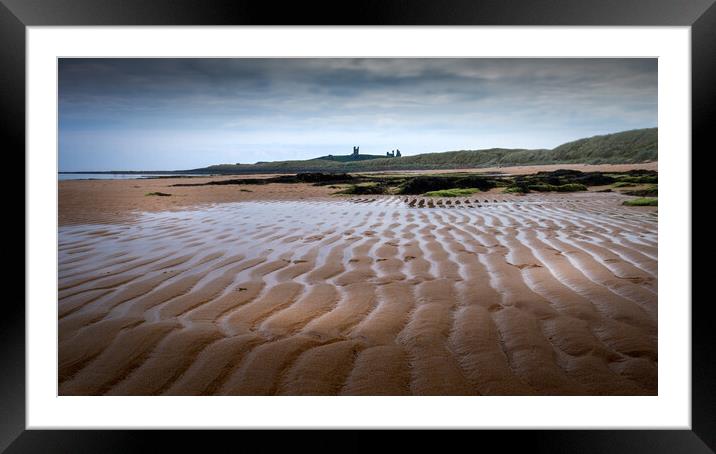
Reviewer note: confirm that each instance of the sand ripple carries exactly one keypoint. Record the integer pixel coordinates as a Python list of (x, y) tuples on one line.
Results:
[(499, 295)]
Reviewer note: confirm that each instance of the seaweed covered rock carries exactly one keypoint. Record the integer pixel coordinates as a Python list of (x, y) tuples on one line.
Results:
[(567, 176), (364, 189), (323, 178), (569, 187), (423, 184)]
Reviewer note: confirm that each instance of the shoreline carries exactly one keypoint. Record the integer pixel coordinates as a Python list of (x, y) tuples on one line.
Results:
[(110, 200)]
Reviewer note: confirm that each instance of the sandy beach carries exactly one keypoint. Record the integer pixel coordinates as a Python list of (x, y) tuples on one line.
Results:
[(111, 201), (286, 290)]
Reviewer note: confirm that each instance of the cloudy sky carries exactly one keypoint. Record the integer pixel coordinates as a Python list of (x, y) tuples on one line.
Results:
[(166, 114)]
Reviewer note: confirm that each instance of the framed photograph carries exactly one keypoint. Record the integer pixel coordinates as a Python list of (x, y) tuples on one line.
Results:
[(407, 217)]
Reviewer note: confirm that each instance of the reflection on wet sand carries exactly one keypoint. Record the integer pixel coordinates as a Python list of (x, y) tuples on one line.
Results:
[(501, 295)]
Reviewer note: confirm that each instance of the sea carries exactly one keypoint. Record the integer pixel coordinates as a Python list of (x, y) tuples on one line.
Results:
[(115, 176)]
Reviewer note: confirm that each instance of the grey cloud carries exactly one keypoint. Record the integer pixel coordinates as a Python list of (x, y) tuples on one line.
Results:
[(353, 99)]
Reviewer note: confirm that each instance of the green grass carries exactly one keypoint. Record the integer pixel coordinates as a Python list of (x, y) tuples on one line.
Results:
[(515, 190), (649, 191), (455, 192), (638, 179), (623, 184), (364, 189), (629, 146), (624, 147), (570, 187), (641, 202)]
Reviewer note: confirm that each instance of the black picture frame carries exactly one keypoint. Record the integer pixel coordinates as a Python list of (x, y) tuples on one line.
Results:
[(16, 15)]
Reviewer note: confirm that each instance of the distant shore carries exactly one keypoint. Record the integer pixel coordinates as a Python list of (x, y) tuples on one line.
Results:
[(508, 170), (63, 176), (526, 170), (110, 200)]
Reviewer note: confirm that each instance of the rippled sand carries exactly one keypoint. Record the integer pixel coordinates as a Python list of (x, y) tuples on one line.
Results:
[(496, 295)]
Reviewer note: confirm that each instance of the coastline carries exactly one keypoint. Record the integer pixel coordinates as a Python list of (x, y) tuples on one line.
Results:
[(290, 290), (107, 201)]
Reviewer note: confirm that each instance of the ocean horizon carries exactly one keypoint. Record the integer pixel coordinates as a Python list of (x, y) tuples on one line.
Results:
[(115, 176)]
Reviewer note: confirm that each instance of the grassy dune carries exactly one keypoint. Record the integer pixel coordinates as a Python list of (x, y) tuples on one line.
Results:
[(626, 147)]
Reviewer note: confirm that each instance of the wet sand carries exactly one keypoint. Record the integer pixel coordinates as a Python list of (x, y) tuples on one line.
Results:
[(543, 294), (110, 201)]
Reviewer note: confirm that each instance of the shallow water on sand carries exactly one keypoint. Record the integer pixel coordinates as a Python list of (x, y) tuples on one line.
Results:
[(540, 294), (115, 176)]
